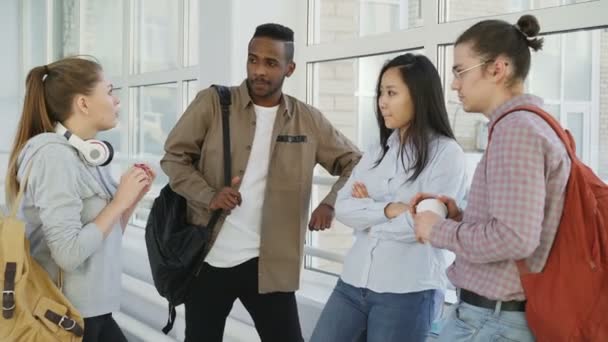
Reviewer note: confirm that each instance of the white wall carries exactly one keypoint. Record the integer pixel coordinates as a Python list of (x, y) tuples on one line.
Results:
[(215, 35)]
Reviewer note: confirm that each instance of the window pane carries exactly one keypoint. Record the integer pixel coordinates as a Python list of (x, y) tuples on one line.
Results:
[(323, 265), (338, 239), (10, 101), (102, 33), (155, 27), (34, 32), (118, 136), (155, 115), (464, 9), (575, 125), (553, 109), (190, 91), (345, 93), (66, 33), (469, 128), (191, 30), (545, 76), (92, 27), (582, 59), (577, 65), (339, 20)]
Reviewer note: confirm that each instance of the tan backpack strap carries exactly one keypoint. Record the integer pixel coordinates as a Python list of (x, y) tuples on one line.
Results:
[(60, 280), (17, 202)]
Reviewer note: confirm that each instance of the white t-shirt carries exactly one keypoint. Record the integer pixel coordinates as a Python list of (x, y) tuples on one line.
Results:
[(239, 239)]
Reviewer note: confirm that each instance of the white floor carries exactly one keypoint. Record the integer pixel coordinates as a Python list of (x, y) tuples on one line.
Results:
[(237, 331)]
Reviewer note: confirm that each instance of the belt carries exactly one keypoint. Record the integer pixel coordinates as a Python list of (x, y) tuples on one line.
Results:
[(483, 302)]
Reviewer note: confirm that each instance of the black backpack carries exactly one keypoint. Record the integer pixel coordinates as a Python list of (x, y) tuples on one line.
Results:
[(176, 248)]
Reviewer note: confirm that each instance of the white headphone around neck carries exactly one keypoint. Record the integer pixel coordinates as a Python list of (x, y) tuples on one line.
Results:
[(95, 152)]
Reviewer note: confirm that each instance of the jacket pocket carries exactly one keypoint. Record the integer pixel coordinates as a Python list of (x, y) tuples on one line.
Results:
[(292, 160)]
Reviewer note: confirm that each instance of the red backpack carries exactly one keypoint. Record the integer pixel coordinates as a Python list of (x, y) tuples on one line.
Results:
[(568, 299)]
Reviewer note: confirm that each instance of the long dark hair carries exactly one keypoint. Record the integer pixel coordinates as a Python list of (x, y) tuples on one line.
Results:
[(430, 115)]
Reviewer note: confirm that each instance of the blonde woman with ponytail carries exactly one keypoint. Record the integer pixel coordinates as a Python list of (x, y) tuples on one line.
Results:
[(75, 212)]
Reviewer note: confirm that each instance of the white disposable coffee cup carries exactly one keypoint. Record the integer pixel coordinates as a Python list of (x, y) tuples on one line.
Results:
[(434, 205)]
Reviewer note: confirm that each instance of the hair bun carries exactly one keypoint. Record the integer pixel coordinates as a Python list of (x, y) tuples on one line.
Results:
[(529, 26)]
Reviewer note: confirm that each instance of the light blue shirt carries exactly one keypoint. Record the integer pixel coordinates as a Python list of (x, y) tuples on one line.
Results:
[(385, 256)]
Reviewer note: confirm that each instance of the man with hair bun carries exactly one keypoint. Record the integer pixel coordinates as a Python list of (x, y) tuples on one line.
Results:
[(516, 198)]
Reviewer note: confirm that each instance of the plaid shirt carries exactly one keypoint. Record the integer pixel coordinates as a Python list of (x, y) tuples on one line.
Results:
[(514, 207)]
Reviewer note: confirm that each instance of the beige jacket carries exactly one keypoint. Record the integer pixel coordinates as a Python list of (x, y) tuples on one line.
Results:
[(302, 138)]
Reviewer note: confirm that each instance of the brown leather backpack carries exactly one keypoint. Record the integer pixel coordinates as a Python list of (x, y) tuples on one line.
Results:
[(33, 307)]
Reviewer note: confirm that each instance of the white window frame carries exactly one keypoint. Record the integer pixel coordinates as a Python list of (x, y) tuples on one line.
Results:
[(129, 82), (590, 109)]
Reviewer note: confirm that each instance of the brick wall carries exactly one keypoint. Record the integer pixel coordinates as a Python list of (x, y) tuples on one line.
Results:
[(339, 20), (460, 9)]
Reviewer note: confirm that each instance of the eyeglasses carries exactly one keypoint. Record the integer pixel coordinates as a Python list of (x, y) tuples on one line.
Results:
[(458, 74)]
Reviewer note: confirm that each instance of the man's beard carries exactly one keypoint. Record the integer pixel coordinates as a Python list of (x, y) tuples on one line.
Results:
[(271, 90)]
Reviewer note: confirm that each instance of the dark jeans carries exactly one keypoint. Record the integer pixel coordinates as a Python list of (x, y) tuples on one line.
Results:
[(102, 329), (213, 293)]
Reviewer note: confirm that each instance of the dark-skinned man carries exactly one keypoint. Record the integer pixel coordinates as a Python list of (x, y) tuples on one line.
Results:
[(277, 140)]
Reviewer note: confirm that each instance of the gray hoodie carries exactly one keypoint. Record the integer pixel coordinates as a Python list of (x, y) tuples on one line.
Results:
[(63, 197)]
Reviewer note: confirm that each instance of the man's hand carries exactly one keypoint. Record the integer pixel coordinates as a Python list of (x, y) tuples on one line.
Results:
[(423, 225), (321, 217), (227, 198), (454, 213)]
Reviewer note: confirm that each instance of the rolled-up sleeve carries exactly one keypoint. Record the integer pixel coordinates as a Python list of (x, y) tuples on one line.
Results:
[(336, 154), (516, 181)]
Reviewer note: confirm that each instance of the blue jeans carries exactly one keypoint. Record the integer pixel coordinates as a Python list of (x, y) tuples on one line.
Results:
[(358, 314), (474, 324)]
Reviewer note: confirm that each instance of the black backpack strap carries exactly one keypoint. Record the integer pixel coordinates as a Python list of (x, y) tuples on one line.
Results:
[(225, 102), (170, 320)]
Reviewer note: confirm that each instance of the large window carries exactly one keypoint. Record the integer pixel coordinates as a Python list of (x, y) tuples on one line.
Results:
[(149, 50), (338, 20), (570, 73), (93, 27), (464, 9), (345, 92), (155, 35)]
